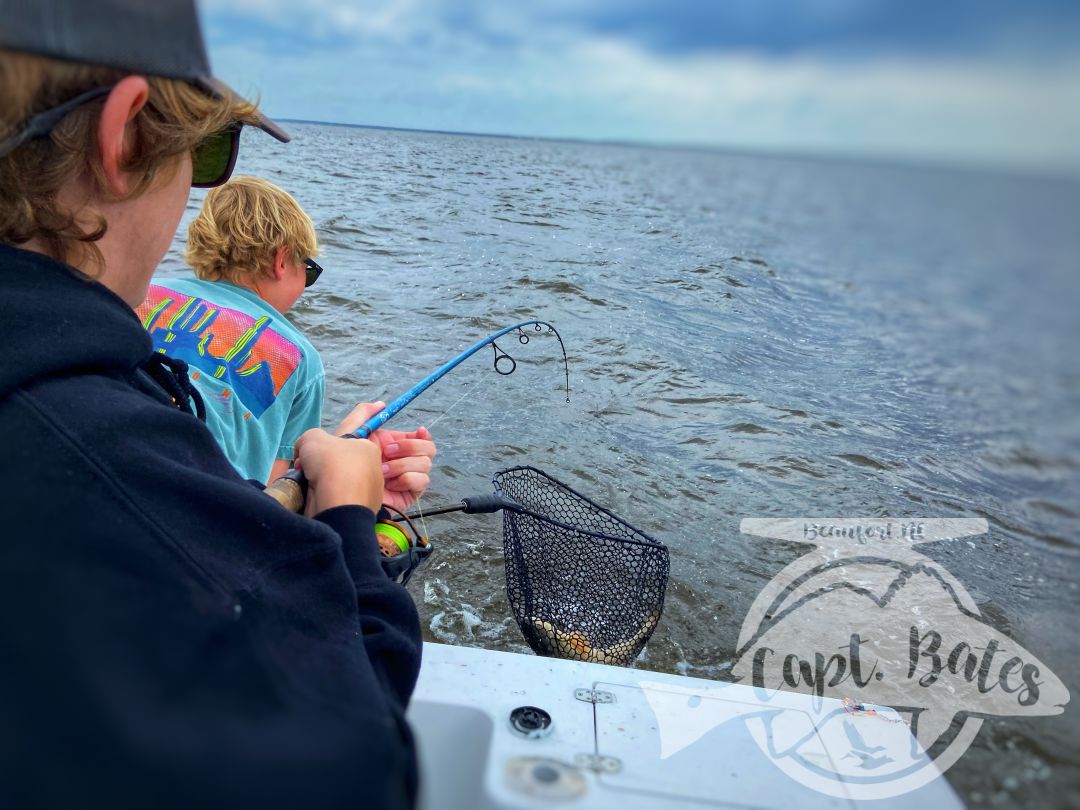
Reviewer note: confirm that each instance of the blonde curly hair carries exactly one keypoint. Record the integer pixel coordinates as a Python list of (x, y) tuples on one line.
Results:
[(175, 118), (240, 228)]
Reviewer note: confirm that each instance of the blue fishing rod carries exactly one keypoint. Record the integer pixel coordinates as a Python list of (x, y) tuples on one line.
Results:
[(384, 416), (291, 489)]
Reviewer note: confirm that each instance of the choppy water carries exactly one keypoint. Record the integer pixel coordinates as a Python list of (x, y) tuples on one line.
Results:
[(748, 337)]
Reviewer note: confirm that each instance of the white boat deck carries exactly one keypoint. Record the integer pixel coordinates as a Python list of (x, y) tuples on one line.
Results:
[(652, 741)]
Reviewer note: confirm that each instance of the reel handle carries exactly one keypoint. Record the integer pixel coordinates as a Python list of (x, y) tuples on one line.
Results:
[(290, 490)]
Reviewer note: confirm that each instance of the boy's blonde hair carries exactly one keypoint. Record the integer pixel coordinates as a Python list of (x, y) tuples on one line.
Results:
[(175, 118), (240, 228)]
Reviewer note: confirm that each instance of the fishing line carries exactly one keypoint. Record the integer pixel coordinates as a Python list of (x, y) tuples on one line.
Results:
[(460, 399), (504, 365), (423, 522), (469, 390)]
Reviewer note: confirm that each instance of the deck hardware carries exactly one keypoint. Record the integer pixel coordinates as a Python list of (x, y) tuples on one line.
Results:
[(545, 778), (530, 722), (594, 696), (598, 763)]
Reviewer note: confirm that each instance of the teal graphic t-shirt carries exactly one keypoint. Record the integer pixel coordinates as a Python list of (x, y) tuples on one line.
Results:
[(261, 379)]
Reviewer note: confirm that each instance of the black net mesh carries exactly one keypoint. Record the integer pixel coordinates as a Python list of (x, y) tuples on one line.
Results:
[(582, 583)]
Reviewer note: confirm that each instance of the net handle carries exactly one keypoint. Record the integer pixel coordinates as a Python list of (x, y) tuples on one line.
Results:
[(484, 504), (648, 542), (473, 505), (469, 507)]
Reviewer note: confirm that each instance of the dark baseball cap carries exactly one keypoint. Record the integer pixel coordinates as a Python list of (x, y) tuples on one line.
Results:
[(149, 37)]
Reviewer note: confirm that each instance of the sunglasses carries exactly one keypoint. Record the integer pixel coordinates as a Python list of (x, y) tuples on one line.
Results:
[(214, 157), (312, 271)]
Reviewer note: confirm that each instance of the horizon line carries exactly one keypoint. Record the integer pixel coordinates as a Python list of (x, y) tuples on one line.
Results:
[(887, 160)]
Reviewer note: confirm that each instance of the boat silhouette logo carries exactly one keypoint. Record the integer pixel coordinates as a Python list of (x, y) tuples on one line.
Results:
[(867, 619)]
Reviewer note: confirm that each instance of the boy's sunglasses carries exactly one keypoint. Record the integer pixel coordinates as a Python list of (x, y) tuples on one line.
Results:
[(213, 158), (312, 271)]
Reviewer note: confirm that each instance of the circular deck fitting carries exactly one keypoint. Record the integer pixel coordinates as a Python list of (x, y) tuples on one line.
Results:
[(544, 778), (530, 722)]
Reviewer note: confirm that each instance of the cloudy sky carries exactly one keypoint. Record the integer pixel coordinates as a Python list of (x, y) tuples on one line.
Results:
[(991, 82)]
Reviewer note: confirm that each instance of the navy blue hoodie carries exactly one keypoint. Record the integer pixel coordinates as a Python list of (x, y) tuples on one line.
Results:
[(169, 635)]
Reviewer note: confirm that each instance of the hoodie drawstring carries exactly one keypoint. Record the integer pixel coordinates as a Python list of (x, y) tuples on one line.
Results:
[(172, 375)]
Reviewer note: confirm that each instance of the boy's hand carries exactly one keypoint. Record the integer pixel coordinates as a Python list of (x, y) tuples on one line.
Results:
[(406, 462), (406, 456)]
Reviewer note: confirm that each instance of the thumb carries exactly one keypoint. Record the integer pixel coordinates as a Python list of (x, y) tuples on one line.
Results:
[(358, 415)]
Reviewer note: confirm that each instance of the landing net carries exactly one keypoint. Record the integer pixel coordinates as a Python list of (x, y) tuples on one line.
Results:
[(583, 583)]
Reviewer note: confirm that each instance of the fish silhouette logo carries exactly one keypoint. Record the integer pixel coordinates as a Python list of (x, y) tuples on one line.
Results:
[(867, 619)]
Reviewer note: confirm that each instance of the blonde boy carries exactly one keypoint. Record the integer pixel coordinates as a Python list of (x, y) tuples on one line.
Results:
[(251, 248)]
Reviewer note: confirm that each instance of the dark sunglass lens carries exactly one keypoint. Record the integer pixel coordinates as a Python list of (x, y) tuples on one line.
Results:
[(312, 271), (212, 159)]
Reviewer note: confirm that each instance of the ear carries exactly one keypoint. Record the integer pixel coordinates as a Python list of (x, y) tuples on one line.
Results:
[(281, 260), (114, 134)]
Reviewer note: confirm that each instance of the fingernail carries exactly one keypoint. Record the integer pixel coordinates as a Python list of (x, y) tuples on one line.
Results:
[(385, 469), (391, 448)]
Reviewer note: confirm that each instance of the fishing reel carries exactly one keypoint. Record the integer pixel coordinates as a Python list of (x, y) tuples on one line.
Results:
[(402, 547)]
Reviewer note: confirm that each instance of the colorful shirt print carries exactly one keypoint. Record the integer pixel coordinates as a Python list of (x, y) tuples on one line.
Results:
[(261, 379)]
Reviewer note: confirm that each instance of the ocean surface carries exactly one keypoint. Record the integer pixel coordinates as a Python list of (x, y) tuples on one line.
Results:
[(747, 337)]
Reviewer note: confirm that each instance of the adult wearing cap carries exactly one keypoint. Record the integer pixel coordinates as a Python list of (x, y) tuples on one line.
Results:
[(170, 635)]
